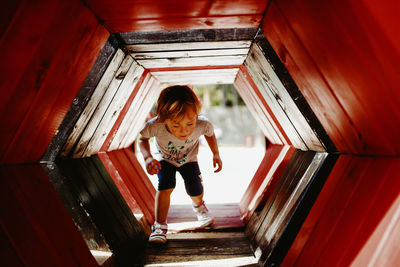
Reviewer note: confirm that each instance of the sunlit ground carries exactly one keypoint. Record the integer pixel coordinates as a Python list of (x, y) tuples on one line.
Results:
[(239, 165)]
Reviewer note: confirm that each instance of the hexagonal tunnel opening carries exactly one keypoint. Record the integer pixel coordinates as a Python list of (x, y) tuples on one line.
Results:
[(99, 138)]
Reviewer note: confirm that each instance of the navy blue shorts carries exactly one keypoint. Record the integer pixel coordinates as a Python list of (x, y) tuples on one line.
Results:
[(190, 173)]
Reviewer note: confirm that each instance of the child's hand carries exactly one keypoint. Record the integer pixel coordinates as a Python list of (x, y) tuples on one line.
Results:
[(152, 165), (217, 162)]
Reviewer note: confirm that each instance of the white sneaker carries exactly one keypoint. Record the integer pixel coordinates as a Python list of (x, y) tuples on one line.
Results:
[(203, 216), (158, 233)]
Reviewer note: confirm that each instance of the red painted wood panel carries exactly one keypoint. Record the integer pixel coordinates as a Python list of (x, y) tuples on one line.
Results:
[(343, 60), (35, 221), (274, 162), (356, 197), (66, 51), (131, 180), (146, 15)]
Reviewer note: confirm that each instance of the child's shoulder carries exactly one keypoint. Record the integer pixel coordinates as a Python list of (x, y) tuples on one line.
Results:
[(202, 118)]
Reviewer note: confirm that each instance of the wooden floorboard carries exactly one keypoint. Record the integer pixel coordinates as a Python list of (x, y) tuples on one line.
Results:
[(222, 244), (181, 218)]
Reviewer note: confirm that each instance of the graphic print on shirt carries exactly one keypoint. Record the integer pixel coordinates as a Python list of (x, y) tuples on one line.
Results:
[(174, 153)]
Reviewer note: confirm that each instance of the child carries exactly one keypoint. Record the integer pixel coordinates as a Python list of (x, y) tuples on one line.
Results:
[(177, 128)]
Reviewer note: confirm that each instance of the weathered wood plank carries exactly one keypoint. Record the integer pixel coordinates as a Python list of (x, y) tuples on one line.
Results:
[(63, 186), (264, 120), (81, 99), (114, 109), (215, 76), (194, 61), (101, 91), (32, 215), (256, 64), (179, 46), (102, 107), (138, 105), (107, 208), (297, 97), (188, 35), (275, 89), (189, 53), (216, 245)]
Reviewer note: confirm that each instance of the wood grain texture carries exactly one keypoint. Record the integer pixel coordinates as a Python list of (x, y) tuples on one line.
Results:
[(81, 100), (107, 208), (292, 100), (44, 101), (266, 120), (179, 36), (258, 66), (35, 221), (342, 209)]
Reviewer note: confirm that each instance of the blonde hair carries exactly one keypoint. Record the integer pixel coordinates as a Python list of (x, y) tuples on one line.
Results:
[(175, 101)]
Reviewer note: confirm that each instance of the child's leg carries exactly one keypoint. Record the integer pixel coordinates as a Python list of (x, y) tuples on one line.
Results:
[(197, 200), (163, 198), (194, 187)]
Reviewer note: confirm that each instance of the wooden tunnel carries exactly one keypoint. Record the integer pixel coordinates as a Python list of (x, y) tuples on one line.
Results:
[(79, 77)]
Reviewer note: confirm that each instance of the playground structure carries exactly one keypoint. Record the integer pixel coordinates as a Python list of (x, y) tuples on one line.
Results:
[(320, 78)]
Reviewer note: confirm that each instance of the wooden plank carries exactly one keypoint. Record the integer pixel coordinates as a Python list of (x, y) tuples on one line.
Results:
[(275, 89), (276, 156), (265, 119), (187, 46), (92, 106), (228, 34), (102, 107), (35, 231), (194, 61), (280, 196), (88, 230), (278, 237), (184, 22), (255, 64), (348, 68), (81, 99), (333, 212), (118, 102), (286, 80), (134, 114), (131, 178), (301, 66), (189, 53), (215, 76), (181, 218), (27, 87), (107, 208), (40, 123), (219, 246)]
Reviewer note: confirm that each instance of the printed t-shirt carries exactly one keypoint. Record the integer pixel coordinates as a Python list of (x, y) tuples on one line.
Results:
[(172, 149)]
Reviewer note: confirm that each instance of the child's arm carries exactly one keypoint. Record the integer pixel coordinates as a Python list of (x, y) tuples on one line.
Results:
[(151, 163), (212, 143)]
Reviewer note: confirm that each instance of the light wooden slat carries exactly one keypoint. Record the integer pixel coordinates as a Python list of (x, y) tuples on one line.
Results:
[(189, 53), (279, 92), (283, 215), (215, 76), (189, 46), (255, 64), (194, 61), (100, 91), (152, 89), (136, 114), (114, 109), (260, 114), (101, 108)]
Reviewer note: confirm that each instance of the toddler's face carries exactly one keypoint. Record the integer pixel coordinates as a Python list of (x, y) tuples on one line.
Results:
[(183, 127)]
